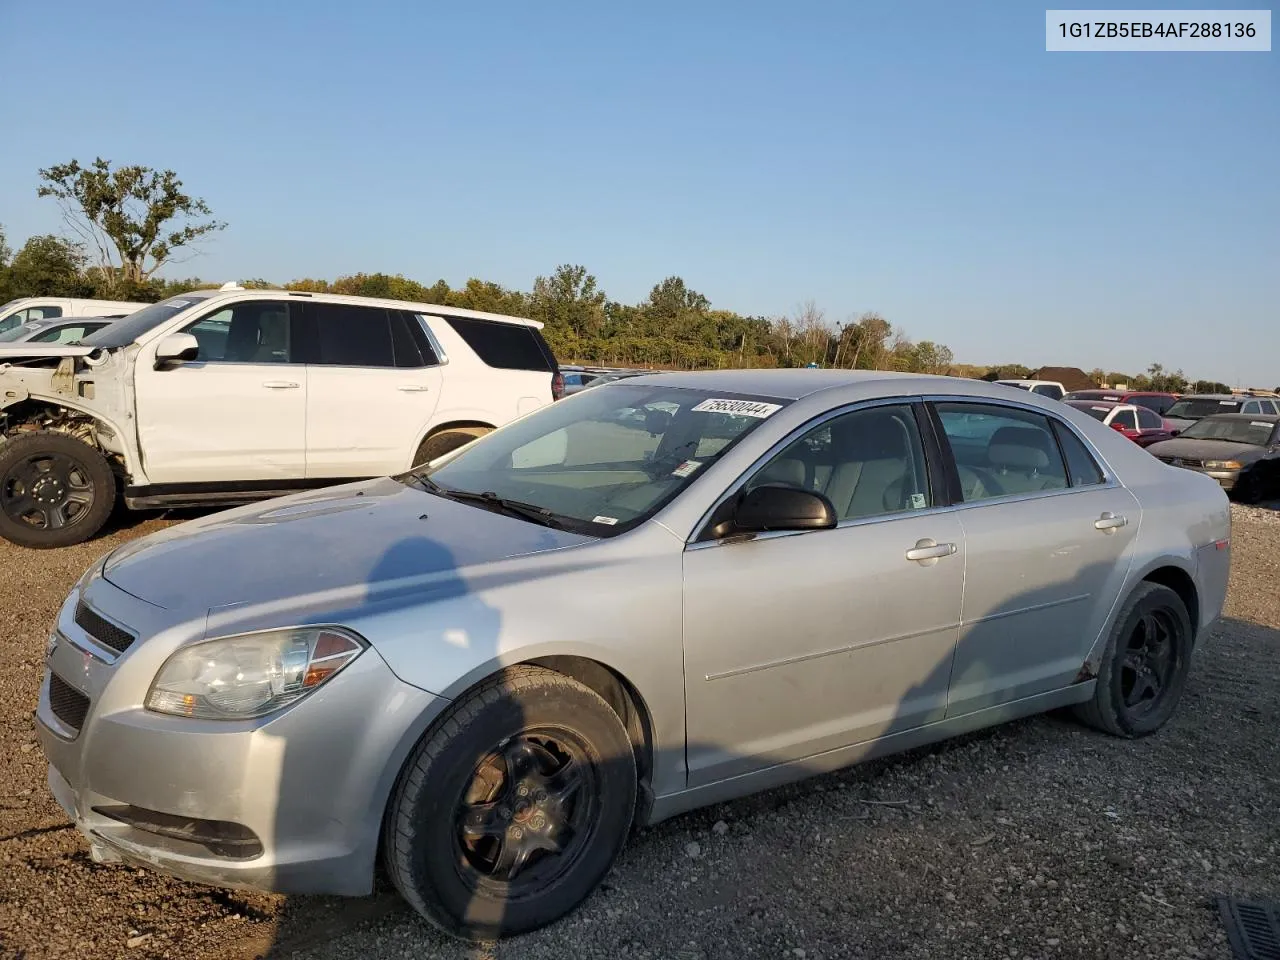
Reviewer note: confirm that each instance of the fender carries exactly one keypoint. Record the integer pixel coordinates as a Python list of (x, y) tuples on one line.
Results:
[(128, 441), (1136, 576)]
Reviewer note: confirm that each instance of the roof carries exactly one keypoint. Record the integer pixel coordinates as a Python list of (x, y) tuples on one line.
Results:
[(1256, 417), (785, 384), (1214, 396), (1083, 402)]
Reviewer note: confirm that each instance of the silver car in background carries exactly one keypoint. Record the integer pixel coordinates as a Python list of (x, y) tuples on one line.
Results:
[(658, 594)]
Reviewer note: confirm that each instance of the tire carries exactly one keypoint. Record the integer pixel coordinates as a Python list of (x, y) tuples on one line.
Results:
[(1124, 703), (446, 441), (1248, 489), (525, 720), (55, 490)]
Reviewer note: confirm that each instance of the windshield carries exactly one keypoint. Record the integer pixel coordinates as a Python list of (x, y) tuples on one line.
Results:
[(1190, 409), (1256, 432), (124, 332), (604, 460), (1092, 409)]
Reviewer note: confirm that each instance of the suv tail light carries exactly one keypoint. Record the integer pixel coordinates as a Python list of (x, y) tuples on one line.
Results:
[(557, 385)]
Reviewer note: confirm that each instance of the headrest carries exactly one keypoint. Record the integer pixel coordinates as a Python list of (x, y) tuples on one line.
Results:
[(1021, 437), (1016, 456), (871, 436)]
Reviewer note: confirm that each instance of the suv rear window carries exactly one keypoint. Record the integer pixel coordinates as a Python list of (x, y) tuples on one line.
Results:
[(508, 346)]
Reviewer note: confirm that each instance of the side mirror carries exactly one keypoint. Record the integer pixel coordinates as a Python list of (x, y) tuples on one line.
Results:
[(783, 508), (177, 348)]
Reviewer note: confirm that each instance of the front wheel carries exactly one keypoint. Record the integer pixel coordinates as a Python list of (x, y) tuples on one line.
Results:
[(446, 441), (1144, 667), (513, 809), (55, 490)]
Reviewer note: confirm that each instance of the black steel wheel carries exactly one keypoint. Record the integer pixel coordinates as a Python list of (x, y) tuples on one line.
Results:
[(1144, 667), (513, 807), (55, 490)]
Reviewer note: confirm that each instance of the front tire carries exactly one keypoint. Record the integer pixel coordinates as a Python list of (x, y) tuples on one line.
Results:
[(55, 490), (513, 808), (1144, 667)]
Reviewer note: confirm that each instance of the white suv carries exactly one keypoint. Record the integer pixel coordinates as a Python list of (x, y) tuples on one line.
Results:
[(26, 309), (226, 396)]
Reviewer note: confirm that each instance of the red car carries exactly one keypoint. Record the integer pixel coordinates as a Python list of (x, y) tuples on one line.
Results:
[(1141, 425), (1159, 402)]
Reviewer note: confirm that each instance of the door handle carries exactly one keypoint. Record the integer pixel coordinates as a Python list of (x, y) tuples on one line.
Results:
[(413, 388), (1109, 522), (928, 552), (279, 384)]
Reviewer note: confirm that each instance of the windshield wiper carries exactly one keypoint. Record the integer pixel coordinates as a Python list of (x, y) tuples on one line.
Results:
[(490, 500)]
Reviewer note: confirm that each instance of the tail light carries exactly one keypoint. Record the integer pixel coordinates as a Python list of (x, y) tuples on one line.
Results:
[(557, 385)]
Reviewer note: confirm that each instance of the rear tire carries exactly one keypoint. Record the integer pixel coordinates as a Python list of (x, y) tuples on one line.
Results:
[(446, 441), (1248, 489), (1144, 667), (513, 808), (55, 490)]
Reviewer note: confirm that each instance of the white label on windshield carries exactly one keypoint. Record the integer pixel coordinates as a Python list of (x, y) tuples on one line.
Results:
[(1227, 403), (740, 408), (1259, 423), (686, 468), (607, 521), (1100, 409), (180, 303)]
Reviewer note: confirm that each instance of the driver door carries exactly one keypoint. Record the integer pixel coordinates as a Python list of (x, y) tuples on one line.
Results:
[(235, 413), (800, 643)]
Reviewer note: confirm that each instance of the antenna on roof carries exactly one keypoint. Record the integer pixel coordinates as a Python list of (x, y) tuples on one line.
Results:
[(231, 285)]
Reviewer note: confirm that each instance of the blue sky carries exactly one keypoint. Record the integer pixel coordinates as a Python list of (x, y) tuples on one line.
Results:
[(928, 160)]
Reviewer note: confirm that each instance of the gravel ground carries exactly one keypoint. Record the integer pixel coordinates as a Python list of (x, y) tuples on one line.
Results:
[(1037, 839)]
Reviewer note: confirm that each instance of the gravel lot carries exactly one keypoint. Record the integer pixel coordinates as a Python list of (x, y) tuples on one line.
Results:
[(1038, 839)]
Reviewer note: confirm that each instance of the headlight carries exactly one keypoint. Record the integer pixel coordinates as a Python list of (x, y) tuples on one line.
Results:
[(1223, 464), (235, 678)]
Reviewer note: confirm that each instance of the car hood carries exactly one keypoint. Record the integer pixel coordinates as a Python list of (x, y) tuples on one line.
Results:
[(355, 536), (1194, 449)]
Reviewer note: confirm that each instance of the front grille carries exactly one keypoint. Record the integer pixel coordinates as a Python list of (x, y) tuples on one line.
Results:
[(67, 703), (1183, 462), (102, 630)]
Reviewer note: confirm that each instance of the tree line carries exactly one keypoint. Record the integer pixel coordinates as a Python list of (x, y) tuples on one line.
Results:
[(127, 223)]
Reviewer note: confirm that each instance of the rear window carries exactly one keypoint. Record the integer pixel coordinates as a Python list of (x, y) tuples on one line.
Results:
[(1193, 409), (508, 346)]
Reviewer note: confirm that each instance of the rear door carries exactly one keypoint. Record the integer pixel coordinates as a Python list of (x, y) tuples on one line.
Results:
[(373, 385), (1048, 539), (236, 412)]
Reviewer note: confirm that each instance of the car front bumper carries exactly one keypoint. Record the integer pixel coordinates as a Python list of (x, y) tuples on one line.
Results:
[(291, 803)]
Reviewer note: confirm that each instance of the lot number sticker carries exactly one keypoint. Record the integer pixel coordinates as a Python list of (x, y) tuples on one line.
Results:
[(739, 408)]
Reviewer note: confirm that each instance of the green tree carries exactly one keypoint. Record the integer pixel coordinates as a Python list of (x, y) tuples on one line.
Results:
[(48, 266), (932, 357), (136, 219), (572, 308)]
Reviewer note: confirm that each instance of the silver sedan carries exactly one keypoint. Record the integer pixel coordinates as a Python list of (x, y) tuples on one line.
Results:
[(655, 595)]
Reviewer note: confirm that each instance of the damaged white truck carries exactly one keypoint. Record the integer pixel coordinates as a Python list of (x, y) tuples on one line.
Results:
[(219, 397)]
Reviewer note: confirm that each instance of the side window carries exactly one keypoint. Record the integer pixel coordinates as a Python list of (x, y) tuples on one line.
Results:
[(410, 351), (63, 334), (1126, 419), (508, 346), (1002, 451), (44, 313), (1081, 467), (1048, 390), (867, 463), (1251, 407), (352, 336), (1148, 420), (247, 332)]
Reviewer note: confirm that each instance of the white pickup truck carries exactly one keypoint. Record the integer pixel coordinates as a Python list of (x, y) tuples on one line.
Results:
[(226, 396)]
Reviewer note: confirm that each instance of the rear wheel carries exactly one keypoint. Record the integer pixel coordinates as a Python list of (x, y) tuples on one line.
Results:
[(55, 490), (1247, 489), (1144, 667), (514, 808), (446, 441)]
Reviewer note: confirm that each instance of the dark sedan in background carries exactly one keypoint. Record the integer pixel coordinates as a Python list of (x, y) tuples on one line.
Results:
[(1239, 450)]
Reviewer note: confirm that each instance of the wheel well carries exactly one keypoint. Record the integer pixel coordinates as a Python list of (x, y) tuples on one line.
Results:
[(1180, 583), (621, 696), (457, 425)]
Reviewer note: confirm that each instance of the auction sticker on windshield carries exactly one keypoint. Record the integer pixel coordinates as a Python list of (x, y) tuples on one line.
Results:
[(741, 408)]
